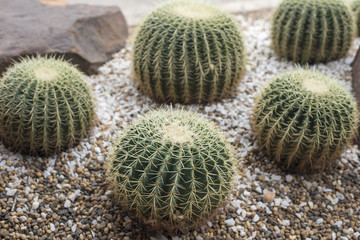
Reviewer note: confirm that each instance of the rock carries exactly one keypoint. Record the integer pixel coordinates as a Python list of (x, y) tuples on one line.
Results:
[(230, 222), (289, 178), (86, 35), (256, 218), (67, 203), (319, 221), (269, 197), (356, 79), (35, 205), (11, 192), (52, 227)]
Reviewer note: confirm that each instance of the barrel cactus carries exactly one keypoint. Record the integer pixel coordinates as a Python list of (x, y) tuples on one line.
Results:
[(355, 7), (312, 31), (172, 168), (303, 119), (188, 51), (45, 106)]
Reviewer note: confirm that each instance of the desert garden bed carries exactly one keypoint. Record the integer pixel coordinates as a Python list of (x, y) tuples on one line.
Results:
[(67, 196)]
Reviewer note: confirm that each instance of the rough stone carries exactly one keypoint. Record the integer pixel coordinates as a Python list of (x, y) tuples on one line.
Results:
[(86, 35), (269, 197)]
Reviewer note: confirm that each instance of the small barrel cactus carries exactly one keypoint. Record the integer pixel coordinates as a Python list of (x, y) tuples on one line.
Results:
[(303, 119), (188, 52), (172, 168), (45, 106), (355, 7), (312, 31)]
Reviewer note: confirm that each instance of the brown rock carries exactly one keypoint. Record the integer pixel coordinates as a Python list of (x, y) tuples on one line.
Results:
[(356, 79), (269, 197), (86, 35)]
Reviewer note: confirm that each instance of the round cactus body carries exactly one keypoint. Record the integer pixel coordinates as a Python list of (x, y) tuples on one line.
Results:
[(188, 52), (45, 106), (355, 7), (172, 168), (312, 31), (303, 119)]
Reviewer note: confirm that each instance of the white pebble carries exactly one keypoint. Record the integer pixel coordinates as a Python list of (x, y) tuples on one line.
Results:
[(319, 221), (73, 228), (350, 231), (256, 218), (67, 203), (340, 196), (23, 219), (289, 178), (35, 205), (52, 227), (97, 150), (209, 224), (285, 222), (338, 224), (275, 177), (11, 192), (230, 222)]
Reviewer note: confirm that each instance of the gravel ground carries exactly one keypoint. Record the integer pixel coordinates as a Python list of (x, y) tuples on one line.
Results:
[(66, 196)]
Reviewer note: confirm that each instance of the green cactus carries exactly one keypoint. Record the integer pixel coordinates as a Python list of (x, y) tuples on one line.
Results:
[(312, 31), (45, 106), (355, 7), (303, 119), (188, 52), (172, 168)]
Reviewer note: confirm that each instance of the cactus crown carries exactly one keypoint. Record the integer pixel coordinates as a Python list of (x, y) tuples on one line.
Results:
[(45, 106), (312, 31), (172, 168), (303, 119), (188, 52)]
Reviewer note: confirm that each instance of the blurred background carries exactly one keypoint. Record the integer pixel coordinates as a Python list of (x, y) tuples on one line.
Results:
[(135, 10)]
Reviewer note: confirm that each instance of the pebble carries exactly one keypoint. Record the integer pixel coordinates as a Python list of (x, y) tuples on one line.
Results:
[(319, 221), (67, 203), (52, 227), (289, 178), (256, 218), (35, 205), (230, 222), (11, 192), (268, 197)]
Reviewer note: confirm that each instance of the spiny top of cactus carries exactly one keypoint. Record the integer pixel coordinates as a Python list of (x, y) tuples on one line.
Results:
[(172, 168), (312, 82), (189, 9), (49, 70), (45, 106)]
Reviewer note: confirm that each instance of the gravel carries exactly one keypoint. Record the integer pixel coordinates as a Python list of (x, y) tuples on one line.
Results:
[(66, 196)]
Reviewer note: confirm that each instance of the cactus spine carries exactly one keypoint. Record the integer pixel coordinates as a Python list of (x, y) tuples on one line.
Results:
[(312, 31), (303, 119), (172, 168), (188, 52), (45, 106)]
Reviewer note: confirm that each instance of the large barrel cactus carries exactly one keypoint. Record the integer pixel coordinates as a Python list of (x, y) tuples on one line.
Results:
[(355, 7), (188, 52), (172, 168), (312, 31), (303, 119), (45, 106)]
